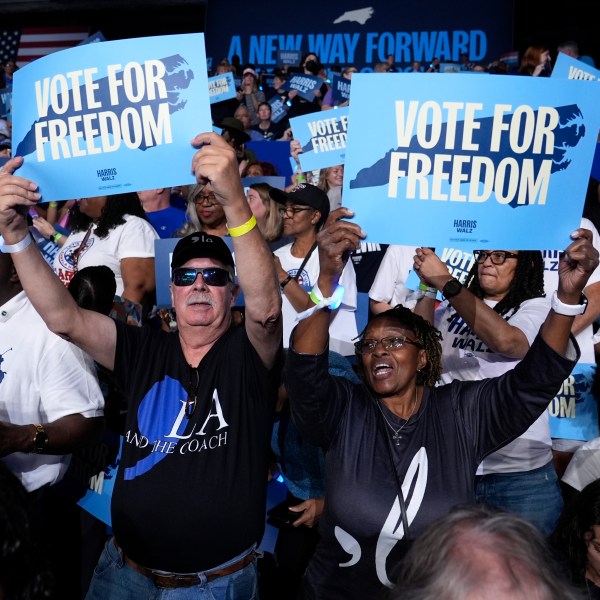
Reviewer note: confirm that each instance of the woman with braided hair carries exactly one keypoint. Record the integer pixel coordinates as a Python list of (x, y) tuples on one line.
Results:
[(399, 450), (488, 326)]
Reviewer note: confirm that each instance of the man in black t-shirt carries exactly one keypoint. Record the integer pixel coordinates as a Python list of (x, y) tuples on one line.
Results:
[(189, 499)]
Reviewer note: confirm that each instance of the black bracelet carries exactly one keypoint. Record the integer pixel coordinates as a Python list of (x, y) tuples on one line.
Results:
[(285, 281)]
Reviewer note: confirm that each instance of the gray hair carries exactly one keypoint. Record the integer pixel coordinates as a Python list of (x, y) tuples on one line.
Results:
[(477, 552)]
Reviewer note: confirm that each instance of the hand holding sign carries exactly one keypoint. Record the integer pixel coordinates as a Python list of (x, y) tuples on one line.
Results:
[(17, 195), (576, 265), (430, 269), (216, 163)]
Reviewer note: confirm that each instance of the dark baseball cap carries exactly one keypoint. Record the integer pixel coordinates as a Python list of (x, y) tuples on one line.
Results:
[(304, 194), (201, 245)]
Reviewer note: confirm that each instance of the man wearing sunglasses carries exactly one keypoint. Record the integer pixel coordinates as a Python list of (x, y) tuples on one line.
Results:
[(189, 500)]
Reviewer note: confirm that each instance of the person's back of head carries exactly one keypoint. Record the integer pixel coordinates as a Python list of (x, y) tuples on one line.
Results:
[(570, 48), (94, 288), (477, 553), (575, 530)]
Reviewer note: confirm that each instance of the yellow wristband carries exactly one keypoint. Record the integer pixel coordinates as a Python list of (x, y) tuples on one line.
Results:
[(240, 230), (53, 205)]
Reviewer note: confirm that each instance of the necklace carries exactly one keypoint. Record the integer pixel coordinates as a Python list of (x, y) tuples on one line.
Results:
[(396, 432)]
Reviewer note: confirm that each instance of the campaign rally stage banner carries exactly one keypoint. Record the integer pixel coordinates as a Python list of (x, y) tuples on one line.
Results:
[(323, 138), (359, 34), (305, 85), (340, 89), (221, 87), (458, 161), (108, 118), (571, 68)]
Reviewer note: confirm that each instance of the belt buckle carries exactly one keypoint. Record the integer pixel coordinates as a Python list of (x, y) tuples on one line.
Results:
[(174, 580)]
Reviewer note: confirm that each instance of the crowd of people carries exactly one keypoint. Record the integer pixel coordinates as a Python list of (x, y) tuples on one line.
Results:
[(411, 434)]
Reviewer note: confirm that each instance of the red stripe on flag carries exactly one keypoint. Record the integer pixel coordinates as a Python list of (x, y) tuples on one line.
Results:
[(39, 41)]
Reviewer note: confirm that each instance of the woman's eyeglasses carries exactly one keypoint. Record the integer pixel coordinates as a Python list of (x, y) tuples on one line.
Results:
[(498, 257), (293, 210), (213, 276), (208, 199), (395, 342)]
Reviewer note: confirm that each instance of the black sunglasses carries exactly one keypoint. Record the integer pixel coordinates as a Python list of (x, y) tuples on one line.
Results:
[(213, 276)]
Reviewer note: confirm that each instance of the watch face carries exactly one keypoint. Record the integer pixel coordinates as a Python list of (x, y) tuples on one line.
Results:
[(452, 288), (40, 441)]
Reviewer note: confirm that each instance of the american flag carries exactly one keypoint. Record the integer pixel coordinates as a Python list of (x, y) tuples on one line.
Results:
[(34, 42)]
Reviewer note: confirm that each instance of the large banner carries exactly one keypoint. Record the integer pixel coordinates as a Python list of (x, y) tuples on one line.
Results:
[(452, 160), (359, 33), (113, 117)]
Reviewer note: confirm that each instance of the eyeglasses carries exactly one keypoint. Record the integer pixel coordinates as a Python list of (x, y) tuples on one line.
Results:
[(389, 343), (192, 396), (208, 199), (293, 210), (498, 257), (213, 276)]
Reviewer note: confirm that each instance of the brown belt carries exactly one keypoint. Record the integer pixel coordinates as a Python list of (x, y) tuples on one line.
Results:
[(175, 580)]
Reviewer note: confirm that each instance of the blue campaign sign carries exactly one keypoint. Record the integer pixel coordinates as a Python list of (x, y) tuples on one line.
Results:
[(275, 181), (101, 483), (340, 89), (323, 138), (6, 103), (221, 87), (114, 117), (574, 411), (288, 58), (93, 39), (450, 160), (305, 85), (278, 110), (571, 68), (459, 263)]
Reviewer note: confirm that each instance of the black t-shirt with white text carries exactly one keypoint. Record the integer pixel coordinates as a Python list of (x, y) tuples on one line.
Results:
[(190, 493)]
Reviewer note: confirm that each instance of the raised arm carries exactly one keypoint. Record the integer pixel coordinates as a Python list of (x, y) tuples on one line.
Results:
[(575, 267), (487, 324), (92, 332), (216, 162), (337, 240)]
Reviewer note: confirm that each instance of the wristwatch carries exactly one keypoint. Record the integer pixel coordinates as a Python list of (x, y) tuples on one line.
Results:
[(40, 439), (568, 310), (452, 288)]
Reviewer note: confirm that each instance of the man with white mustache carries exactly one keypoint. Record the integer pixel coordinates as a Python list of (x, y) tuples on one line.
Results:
[(189, 499)]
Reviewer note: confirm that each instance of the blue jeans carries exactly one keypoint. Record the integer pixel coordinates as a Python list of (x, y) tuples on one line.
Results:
[(115, 580), (534, 495)]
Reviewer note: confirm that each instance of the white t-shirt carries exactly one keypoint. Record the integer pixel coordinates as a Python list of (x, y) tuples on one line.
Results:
[(584, 466), (467, 358), (343, 329), (42, 378), (389, 283), (133, 239)]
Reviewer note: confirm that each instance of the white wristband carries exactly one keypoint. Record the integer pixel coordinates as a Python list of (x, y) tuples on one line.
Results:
[(18, 247), (568, 310), (316, 296)]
